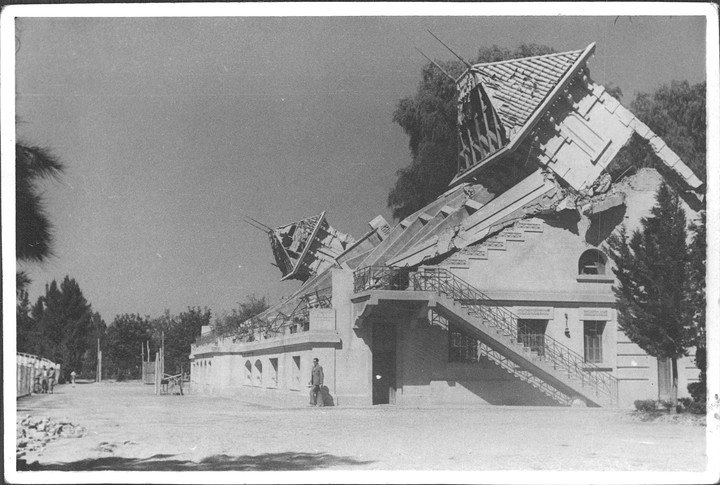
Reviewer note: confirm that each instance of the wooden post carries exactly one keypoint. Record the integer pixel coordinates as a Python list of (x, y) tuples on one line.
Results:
[(157, 373), (162, 353)]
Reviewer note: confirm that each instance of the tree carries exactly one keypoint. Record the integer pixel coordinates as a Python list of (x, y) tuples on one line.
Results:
[(98, 328), (34, 231), (675, 113), (125, 336), (653, 282), (26, 327), (179, 333), (61, 320), (697, 269), (231, 324), (429, 118)]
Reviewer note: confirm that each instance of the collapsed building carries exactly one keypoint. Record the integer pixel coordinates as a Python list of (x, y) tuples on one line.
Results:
[(499, 291)]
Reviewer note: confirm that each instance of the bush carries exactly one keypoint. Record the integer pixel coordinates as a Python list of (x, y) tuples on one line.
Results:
[(697, 408), (646, 405), (685, 404), (664, 405), (698, 391)]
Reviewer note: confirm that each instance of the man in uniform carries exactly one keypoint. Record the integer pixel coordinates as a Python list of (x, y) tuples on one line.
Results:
[(316, 381)]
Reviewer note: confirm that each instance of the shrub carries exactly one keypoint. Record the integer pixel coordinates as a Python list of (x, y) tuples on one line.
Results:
[(646, 405), (698, 391), (697, 408), (665, 405)]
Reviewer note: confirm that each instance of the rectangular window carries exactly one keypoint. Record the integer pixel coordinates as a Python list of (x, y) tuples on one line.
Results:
[(531, 333), (273, 372), (592, 331), (295, 384), (461, 348)]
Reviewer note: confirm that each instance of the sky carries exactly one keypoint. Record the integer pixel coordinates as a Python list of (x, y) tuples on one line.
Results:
[(173, 130)]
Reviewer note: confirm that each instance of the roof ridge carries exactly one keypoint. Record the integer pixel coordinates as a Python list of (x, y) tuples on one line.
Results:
[(507, 61)]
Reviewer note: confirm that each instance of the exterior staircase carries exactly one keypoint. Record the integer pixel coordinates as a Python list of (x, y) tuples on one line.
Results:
[(555, 369), (485, 352)]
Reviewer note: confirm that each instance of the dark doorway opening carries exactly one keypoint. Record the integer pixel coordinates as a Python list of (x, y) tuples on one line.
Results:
[(384, 355)]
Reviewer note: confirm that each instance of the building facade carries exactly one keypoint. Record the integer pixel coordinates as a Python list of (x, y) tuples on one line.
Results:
[(497, 292)]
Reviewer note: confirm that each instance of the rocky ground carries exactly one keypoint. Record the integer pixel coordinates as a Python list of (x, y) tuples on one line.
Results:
[(124, 426)]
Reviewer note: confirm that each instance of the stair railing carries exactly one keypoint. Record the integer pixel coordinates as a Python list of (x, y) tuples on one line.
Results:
[(477, 303)]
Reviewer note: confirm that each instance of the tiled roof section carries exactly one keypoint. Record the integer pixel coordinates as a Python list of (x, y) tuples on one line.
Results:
[(518, 86)]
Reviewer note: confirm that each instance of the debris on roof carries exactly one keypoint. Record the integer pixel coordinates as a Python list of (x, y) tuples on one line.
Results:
[(549, 106), (306, 247)]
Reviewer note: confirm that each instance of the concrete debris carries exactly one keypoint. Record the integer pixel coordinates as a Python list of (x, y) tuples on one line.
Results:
[(33, 434), (602, 184), (597, 206)]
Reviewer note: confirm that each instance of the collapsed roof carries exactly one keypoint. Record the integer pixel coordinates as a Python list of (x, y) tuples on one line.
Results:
[(548, 107), (541, 113)]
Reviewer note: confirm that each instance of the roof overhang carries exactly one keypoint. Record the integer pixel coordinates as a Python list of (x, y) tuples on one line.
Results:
[(531, 123)]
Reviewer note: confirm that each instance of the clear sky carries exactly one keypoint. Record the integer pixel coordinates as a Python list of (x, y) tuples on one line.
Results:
[(173, 130)]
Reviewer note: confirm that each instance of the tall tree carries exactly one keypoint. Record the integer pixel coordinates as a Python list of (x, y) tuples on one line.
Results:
[(95, 334), (652, 291), (34, 231), (179, 333), (27, 333), (697, 270), (429, 118), (61, 321), (125, 336)]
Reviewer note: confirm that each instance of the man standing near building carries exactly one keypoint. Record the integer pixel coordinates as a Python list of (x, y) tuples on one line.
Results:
[(316, 381)]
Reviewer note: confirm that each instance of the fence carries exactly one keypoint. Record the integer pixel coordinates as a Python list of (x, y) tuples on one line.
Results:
[(28, 367)]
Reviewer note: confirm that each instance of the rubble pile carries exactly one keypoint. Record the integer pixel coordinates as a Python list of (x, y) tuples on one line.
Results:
[(34, 433)]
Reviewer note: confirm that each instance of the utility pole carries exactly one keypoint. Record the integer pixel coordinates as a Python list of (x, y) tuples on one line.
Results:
[(98, 371), (162, 354)]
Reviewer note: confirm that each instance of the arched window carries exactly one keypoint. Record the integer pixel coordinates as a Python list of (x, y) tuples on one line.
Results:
[(248, 373), (258, 373), (591, 262)]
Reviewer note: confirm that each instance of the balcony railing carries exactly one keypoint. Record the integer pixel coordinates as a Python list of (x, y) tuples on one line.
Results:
[(274, 323), (442, 281), (381, 278)]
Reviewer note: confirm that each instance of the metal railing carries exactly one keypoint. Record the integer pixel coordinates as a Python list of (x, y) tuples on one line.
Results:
[(272, 324), (491, 354), (534, 341), (380, 278), (482, 350), (478, 304)]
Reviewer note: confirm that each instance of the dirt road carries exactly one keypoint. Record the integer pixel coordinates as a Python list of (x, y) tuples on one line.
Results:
[(129, 428)]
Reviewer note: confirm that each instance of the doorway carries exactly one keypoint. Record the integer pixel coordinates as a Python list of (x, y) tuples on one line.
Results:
[(664, 379), (384, 360)]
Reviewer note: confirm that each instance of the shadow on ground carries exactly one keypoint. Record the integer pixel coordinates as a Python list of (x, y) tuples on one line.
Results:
[(265, 462)]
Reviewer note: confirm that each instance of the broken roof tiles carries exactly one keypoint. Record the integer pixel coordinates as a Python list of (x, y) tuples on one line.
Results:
[(522, 84)]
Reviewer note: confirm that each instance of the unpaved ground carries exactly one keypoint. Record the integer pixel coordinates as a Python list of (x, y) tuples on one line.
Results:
[(129, 428)]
